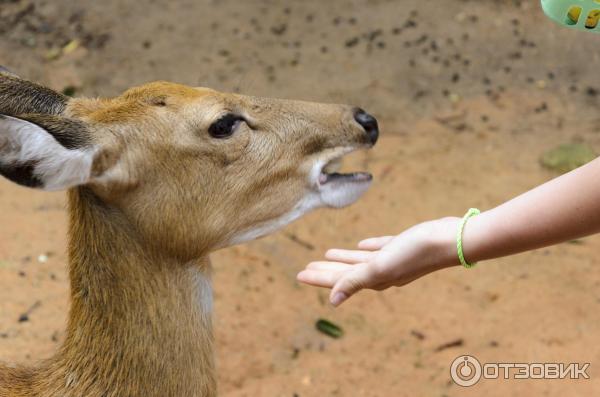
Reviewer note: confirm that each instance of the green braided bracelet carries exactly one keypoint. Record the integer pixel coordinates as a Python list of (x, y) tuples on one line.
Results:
[(461, 256)]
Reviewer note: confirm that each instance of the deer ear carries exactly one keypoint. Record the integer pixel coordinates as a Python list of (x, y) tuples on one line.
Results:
[(48, 158), (19, 96), (7, 71)]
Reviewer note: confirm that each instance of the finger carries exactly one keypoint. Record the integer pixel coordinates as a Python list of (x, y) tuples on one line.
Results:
[(350, 283), (330, 266), (348, 256), (318, 278), (375, 243)]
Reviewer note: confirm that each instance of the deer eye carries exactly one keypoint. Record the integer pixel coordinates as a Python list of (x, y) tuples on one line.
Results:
[(225, 126)]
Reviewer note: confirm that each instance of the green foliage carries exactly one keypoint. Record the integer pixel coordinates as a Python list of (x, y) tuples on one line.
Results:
[(567, 157), (329, 328)]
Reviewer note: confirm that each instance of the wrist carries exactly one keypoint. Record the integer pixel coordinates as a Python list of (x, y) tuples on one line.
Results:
[(443, 242), (475, 238)]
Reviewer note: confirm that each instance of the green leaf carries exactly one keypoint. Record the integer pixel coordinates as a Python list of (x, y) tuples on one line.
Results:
[(329, 328)]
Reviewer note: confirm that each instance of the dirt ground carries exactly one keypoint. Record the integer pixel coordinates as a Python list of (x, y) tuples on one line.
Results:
[(469, 94)]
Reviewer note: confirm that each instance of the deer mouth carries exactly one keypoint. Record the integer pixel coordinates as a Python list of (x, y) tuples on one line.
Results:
[(338, 189)]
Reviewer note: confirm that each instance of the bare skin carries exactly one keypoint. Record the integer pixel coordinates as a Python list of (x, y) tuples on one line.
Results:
[(560, 210)]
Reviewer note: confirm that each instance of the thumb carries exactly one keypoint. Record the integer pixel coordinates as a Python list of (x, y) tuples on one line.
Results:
[(349, 284)]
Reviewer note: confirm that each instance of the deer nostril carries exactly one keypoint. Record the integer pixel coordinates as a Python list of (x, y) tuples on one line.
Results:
[(369, 123)]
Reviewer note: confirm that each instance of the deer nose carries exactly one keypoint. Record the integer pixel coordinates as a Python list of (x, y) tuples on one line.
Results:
[(369, 123)]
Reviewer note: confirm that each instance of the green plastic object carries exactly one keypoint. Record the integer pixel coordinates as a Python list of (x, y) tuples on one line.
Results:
[(576, 14)]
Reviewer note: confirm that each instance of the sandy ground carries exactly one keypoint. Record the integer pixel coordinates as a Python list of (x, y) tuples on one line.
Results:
[(469, 94)]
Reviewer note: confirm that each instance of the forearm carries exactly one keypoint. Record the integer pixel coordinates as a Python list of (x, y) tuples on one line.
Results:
[(562, 209), (565, 208)]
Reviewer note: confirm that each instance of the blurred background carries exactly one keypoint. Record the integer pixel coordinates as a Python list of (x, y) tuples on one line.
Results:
[(473, 98)]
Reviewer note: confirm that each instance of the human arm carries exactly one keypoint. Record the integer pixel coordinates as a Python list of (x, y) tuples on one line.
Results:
[(562, 209)]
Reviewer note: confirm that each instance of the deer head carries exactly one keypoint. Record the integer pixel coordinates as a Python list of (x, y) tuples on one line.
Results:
[(190, 169)]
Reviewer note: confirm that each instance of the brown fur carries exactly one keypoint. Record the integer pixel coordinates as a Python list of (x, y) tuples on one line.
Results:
[(140, 235)]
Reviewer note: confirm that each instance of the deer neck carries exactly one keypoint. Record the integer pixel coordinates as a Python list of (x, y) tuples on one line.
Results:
[(139, 323)]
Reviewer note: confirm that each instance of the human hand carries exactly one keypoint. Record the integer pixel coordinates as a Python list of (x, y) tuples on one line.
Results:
[(383, 262)]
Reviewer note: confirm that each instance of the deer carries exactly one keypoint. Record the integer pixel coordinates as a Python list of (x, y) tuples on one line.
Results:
[(156, 179)]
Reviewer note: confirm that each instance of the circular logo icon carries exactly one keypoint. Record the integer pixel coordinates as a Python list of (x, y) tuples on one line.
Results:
[(465, 371)]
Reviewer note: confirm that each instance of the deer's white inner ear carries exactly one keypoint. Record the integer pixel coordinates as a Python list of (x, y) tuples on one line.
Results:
[(31, 156)]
